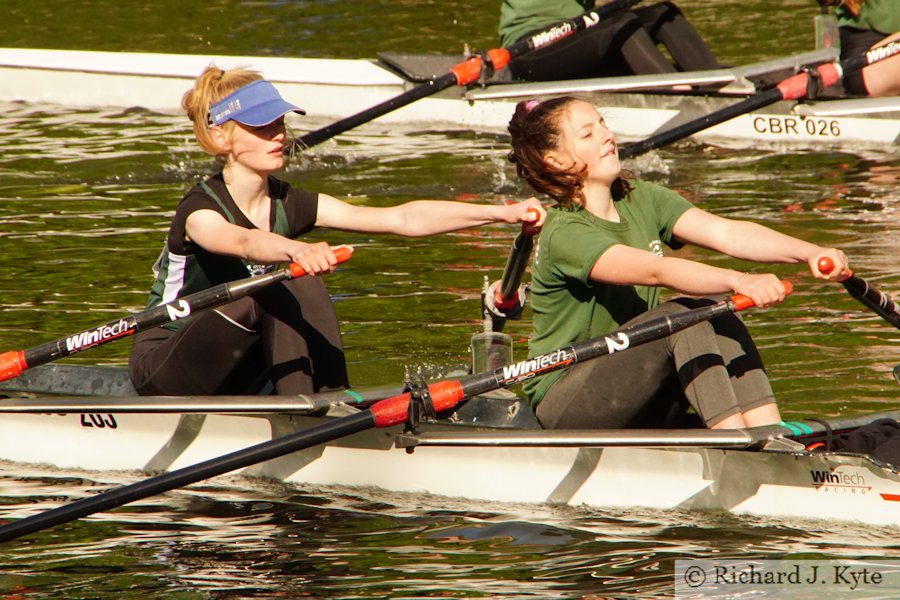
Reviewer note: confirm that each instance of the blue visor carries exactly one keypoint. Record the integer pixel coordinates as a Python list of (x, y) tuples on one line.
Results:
[(256, 104)]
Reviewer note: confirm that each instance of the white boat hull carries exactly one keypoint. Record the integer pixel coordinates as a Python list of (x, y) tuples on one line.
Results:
[(789, 484), (332, 89)]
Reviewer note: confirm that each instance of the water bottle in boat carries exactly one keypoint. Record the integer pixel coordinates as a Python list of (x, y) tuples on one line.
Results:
[(826, 25)]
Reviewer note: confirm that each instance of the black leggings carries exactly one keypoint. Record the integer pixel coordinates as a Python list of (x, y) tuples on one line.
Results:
[(855, 42), (624, 44), (713, 366), (287, 334)]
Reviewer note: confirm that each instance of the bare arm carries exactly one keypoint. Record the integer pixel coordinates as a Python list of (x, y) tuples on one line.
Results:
[(421, 217), (754, 242), (623, 265), (209, 230), (741, 239)]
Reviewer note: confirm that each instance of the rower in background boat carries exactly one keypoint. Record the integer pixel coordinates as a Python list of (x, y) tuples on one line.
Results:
[(244, 220), (624, 44), (600, 265), (864, 25)]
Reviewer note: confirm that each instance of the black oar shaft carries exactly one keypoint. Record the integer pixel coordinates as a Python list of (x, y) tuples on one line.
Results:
[(370, 114), (874, 298), (866, 294), (13, 363), (617, 341), (466, 72), (684, 130), (181, 477), (447, 394), (506, 298), (515, 269), (792, 88)]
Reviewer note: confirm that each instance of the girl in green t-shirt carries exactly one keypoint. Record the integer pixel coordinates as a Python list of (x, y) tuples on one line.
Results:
[(865, 25), (624, 43), (599, 265)]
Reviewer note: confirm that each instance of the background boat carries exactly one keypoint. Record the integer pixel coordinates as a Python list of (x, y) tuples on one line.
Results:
[(634, 107), (86, 196)]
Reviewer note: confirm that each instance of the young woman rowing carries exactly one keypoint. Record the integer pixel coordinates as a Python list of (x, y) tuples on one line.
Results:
[(599, 265), (243, 221), (626, 43)]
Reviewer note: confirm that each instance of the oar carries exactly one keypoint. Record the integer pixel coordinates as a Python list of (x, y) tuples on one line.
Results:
[(466, 72), (866, 293), (15, 362), (508, 300), (441, 396), (792, 88)]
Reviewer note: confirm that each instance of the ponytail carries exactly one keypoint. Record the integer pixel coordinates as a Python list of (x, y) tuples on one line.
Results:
[(212, 85)]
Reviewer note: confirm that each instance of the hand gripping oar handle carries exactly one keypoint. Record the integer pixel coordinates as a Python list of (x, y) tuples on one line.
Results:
[(392, 411), (466, 72), (866, 294), (792, 88), (15, 362), (506, 297)]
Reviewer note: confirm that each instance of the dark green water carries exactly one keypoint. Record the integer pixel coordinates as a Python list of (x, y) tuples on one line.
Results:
[(85, 199)]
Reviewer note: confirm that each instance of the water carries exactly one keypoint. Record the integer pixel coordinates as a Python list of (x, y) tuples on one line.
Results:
[(85, 199)]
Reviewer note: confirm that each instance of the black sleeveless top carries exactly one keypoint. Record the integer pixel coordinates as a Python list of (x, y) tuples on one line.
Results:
[(184, 267)]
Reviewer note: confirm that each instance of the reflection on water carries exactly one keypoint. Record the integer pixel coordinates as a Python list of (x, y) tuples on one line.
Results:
[(259, 539)]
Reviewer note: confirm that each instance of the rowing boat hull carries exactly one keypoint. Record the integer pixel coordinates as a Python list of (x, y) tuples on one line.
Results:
[(330, 88), (788, 484)]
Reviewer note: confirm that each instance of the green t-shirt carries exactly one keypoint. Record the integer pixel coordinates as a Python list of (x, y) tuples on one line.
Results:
[(567, 305), (882, 16), (519, 17)]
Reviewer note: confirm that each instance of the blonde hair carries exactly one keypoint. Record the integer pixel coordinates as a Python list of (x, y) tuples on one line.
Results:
[(212, 85)]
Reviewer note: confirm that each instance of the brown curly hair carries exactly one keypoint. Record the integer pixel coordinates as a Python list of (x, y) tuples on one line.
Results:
[(534, 131)]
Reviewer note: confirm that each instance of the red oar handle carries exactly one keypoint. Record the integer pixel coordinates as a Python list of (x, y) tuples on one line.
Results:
[(342, 253), (12, 364), (529, 227), (826, 266), (742, 302)]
